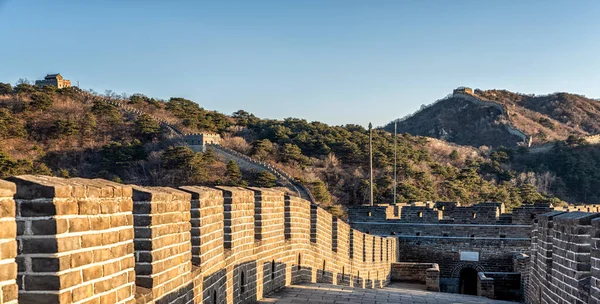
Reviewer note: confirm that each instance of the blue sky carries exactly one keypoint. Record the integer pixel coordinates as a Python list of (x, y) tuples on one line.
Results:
[(336, 61)]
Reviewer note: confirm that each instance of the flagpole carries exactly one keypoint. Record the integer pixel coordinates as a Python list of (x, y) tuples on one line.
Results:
[(395, 157), (370, 164)]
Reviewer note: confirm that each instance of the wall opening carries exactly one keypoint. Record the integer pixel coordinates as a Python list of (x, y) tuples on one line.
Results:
[(343, 273), (420, 214), (242, 282), (272, 270), (214, 297), (369, 213), (468, 281), (299, 261), (373, 250), (323, 266), (474, 214), (364, 248)]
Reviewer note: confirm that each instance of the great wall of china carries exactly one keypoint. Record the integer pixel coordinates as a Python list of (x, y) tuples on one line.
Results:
[(283, 178), (590, 139), (94, 241)]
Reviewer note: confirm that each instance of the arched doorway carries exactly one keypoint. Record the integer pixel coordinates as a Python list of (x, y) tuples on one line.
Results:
[(468, 281)]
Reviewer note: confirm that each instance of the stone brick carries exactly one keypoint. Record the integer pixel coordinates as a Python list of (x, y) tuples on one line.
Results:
[(82, 292), (70, 279), (91, 240), (81, 258), (92, 272), (65, 244), (50, 264), (9, 272), (9, 292), (79, 224), (41, 282), (8, 249), (7, 207)]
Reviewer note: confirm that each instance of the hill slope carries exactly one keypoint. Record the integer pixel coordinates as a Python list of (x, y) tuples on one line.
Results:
[(501, 118), (68, 133)]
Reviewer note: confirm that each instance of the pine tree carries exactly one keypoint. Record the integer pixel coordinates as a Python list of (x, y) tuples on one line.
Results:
[(265, 179), (234, 175)]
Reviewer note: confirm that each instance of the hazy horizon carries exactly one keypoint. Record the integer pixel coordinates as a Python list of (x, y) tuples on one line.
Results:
[(339, 62)]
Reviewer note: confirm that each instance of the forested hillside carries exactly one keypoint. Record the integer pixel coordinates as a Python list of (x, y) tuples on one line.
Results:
[(66, 133)]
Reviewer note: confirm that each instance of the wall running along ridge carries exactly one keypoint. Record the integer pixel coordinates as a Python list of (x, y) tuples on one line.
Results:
[(95, 241)]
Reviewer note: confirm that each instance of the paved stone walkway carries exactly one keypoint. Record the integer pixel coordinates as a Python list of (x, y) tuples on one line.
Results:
[(394, 293)]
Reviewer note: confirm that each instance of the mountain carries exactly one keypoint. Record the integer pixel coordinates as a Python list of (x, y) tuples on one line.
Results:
[(497, 118), (73, 133)]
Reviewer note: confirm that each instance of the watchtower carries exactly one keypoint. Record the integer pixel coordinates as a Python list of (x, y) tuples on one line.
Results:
[(54, 80), (199, 141)]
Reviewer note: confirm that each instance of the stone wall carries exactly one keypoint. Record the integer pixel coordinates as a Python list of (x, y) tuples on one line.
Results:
[(492, 255), (190, 245), (75, 240), (162, 243), (8, 244), (564, 259), (499, 285), (424, 273), (396, 228), (452, 213)]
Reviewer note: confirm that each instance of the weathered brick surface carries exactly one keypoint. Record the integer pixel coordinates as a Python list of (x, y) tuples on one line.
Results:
[(8, 244), (162, 242), (76, 240), (564, 260), (209, 278), (425, 273), (94, 241)]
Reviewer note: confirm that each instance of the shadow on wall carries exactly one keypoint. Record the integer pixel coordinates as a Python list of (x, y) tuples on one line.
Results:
[(274, 276), (214, 287), (244, 282)]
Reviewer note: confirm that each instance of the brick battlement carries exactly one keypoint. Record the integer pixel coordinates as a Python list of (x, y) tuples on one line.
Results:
[(95, 241), (454, 213), (564, 261)]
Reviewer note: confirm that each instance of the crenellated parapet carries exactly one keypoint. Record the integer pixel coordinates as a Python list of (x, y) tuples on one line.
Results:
[(96, 241), (75, 240), (454, 213), (564, 262)]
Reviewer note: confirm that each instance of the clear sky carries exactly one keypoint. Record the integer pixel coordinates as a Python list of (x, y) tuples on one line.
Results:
[(336, 61)]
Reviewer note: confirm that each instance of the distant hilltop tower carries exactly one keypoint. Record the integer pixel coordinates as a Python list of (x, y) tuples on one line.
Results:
[(54, 80), (199, 141), (463, 90)]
